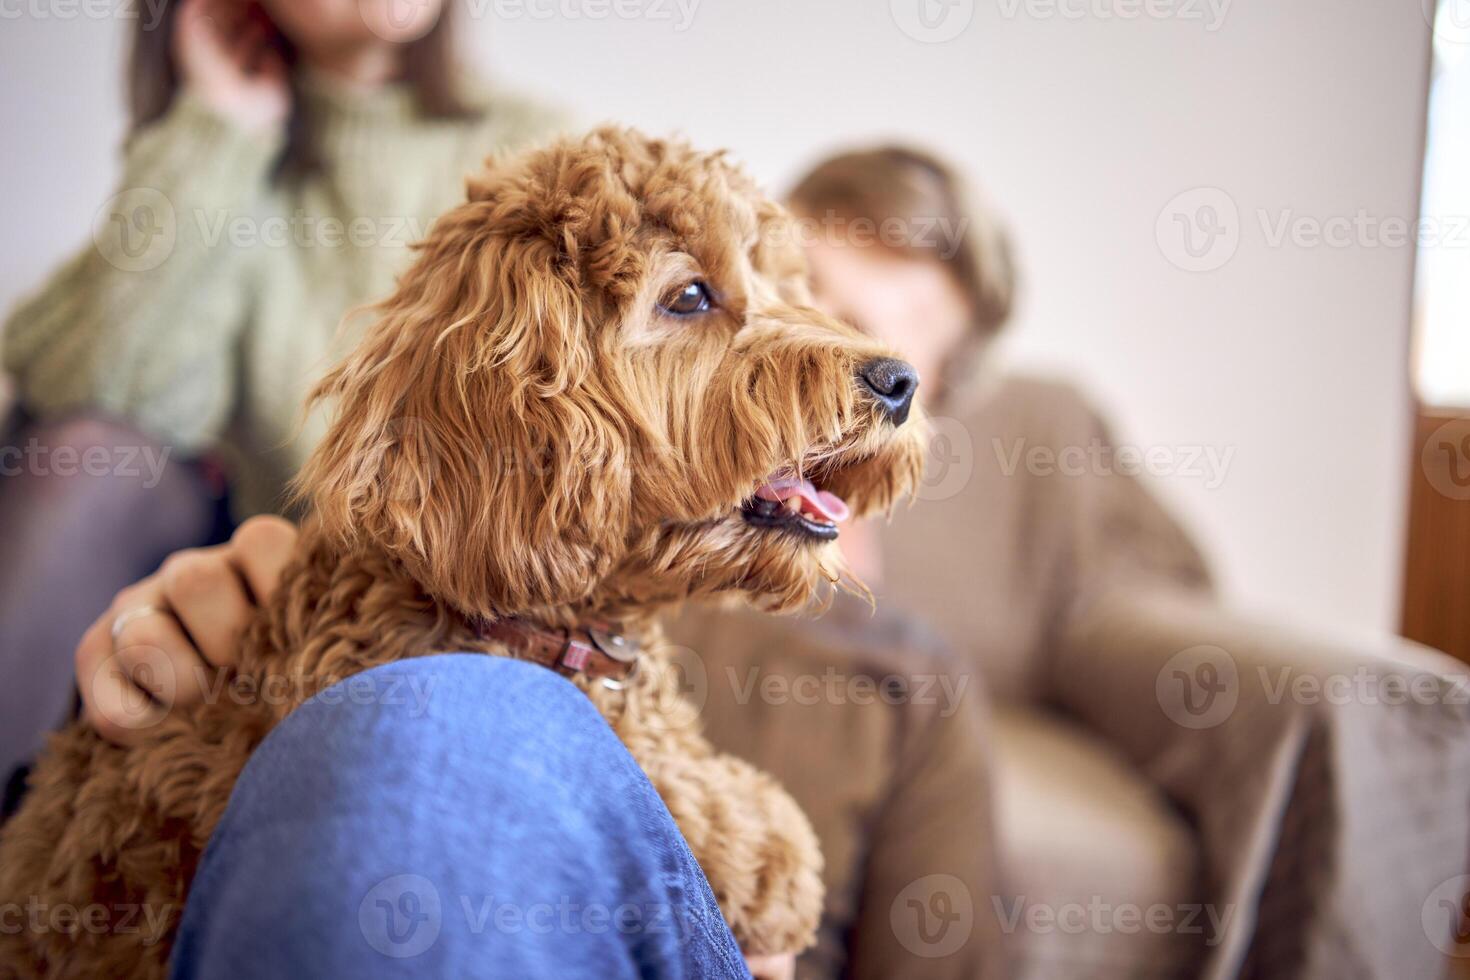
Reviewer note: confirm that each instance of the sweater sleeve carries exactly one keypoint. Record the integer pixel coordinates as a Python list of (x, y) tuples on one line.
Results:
[(143, 321)]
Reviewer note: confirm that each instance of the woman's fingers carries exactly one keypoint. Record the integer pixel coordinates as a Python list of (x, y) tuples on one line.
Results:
[(260, 549), (269, 65), (214, 591), (152, 651), (135, 663), (250, 45), (111, 703), (201, 42), (227, 16), (206, 593), (159, 646)]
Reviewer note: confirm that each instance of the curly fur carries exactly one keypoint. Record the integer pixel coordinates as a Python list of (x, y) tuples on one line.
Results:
[(523, 432)]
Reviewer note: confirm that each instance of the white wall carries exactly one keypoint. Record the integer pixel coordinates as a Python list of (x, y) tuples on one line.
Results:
[(1083, 125)]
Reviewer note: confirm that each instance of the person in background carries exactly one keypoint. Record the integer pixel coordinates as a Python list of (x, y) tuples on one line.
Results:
[(281, 157), (996, 561)]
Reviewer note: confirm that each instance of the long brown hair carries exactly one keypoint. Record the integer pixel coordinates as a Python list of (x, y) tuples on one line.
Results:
[(901, 184), (430, 71)]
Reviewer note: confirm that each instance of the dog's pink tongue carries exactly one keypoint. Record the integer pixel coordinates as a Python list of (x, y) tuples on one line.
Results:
[(817, 503)]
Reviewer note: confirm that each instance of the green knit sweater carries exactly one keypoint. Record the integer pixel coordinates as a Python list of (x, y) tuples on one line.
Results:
[(209, 299)]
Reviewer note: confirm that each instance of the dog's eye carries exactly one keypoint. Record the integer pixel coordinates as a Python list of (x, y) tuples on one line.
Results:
[(693, 298)]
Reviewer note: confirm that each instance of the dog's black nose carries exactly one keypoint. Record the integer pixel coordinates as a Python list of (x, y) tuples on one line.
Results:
[(892, 384)]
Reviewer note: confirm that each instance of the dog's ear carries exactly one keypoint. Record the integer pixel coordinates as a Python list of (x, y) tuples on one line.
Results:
[(472, 438)]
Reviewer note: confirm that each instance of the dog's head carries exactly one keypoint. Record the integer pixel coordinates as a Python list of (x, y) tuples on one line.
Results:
[(602, 388)]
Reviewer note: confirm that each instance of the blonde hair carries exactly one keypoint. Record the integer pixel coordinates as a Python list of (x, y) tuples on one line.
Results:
[(888, 184)]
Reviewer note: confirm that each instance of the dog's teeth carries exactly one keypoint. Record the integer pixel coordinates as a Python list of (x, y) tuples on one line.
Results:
[(792, 504)]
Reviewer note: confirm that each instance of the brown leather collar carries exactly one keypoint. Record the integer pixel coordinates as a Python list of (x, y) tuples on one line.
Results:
[(595, 651)]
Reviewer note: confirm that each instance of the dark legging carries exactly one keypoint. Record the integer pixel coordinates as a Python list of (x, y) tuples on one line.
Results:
[(87, 506)]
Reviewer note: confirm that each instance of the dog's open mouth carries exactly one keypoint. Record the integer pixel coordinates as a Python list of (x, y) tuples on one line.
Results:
[(790, 503)]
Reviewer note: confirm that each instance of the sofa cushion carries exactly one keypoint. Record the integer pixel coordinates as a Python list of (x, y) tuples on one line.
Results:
[(1100, 869)]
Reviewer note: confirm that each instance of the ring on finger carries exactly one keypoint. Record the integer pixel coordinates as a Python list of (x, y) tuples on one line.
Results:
[(127, 616)]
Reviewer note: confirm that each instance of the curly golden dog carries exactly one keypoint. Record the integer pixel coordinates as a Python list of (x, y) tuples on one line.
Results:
[(600, 391)]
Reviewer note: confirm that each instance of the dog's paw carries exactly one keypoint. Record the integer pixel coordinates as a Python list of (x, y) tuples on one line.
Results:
[(756, 847)]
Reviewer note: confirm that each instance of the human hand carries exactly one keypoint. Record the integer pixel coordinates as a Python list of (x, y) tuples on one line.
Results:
[(225, 52), (176, 628), (782, 966)]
